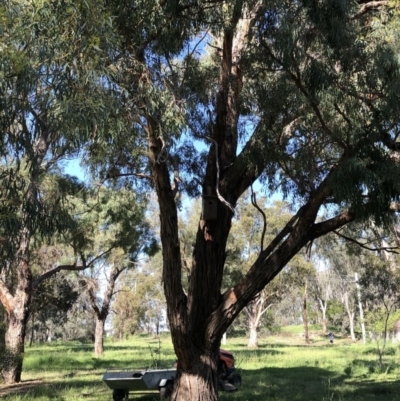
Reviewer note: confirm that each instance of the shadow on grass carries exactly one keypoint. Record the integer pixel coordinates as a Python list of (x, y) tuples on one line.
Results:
[(47, 364), (309, 384), (40, 390), (301, 384), (305, 383), (62, 348)]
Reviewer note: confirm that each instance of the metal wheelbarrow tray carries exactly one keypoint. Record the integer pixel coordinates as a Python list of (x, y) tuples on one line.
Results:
[(140, 380)]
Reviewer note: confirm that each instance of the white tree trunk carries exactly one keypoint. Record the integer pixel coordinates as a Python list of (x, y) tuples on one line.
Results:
[(253, 338)]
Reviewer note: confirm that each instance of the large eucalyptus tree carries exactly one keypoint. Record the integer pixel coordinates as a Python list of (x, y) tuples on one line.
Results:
[(302, 96)]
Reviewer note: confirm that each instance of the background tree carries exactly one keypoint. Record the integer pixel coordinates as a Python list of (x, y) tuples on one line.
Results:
[(128, 312), (256, 310), (51, 302), (139, 304), (304, 273), (119, 235), (345, 255), (321, 290), (81, 320), (51, 101), (19, 280), (250, 232), (381, 293), (344, 265)]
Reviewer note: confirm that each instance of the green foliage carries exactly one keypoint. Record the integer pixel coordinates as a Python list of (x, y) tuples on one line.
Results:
[(380, 285), (50, 74), (50, 211), (80, 323), (336, 315), (139, 304), (381, 292), (51, 302), (378, 321), (326, 64), (53, 98), (122, 218)]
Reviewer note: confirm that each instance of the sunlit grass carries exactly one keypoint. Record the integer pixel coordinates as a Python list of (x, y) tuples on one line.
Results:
[(283, 368)]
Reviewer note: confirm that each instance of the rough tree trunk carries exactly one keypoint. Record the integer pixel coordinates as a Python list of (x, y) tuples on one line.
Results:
[(98, 337), (18, 303), (198, 380), (17, 308), (14, 340)]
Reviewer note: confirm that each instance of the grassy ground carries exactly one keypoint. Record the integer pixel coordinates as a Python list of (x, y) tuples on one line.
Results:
[(283, 368)]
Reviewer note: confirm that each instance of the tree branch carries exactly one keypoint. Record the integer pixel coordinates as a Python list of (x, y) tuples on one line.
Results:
[(72, 267), (332, 224), (372, 5), (254, 203), (55, 270), (115, 273), (390, 249), (92, 297)]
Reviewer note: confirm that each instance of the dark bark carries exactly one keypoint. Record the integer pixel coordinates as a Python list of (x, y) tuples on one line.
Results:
[(199, 319), (305, 315), (197, 381), (32, 330)]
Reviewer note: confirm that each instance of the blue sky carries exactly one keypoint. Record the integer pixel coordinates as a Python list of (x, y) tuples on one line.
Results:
[(72, 167)]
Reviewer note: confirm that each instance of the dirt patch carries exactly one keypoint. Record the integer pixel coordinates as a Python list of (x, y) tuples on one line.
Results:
[(19, 388)]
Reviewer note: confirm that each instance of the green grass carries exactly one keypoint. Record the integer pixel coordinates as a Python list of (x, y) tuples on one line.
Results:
[(281, 369)]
